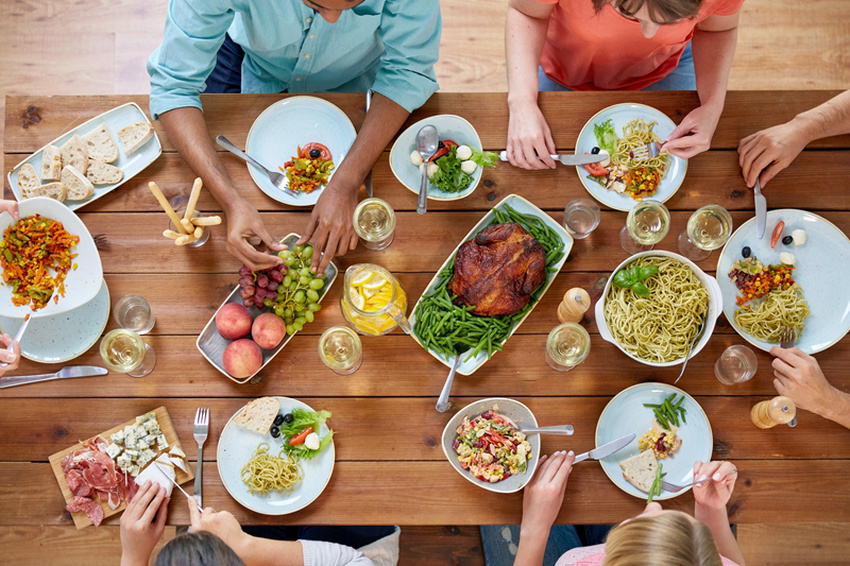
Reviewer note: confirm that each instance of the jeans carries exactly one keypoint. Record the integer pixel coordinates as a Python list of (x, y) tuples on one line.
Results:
[(226, 76), (500, 541), (680, 78)]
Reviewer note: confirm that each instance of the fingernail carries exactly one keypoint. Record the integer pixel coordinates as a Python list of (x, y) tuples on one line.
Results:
[(716, 477), (571, 453), (9, 357), (703, 477)]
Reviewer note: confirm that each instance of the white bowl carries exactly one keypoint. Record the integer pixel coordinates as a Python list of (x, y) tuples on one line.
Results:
[(81, 284), (715, 306), (515, 411), (448, 126)]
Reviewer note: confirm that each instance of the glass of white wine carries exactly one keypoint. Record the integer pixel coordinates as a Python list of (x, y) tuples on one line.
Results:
[(646, 224), (374, 222), (567, 346), (708, 229), (341, 350), (124, 351)]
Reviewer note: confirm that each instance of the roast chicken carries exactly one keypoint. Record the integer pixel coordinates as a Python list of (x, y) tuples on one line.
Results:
[(498, 269)]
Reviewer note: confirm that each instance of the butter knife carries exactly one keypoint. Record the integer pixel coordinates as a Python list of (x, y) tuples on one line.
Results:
[(64, 373), (761, 209), (177, 485), (568, 159), (606, 449)]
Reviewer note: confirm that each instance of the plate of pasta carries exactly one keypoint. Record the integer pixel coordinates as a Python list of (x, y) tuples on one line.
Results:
[(242, 451), (813, 300), (625, 178)]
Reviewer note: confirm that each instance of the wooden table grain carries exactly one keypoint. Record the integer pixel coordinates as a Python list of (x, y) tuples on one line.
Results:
[(390, 466)]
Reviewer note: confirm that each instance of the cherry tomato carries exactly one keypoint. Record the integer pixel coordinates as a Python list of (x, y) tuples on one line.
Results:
[(776, 233), (449, 143), (438, 154), (324, 155), (299, 438), (596, 169)]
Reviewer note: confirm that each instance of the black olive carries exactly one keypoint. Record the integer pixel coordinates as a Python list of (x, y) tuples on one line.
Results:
[(315, 153), (787, 240), (287, 418), (594, 151), (746, 251), (278, 420), (275, 432)]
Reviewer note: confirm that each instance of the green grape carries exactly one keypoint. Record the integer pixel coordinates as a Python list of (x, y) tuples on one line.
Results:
[(312, 295), (301, 320), (317, 284), (284, 254), (290, 329), (308, 252), (290, 261), (298, 326), (299, 296), (287, 281), (268, 302), (309, 316), (300, 311), (287, 313), (304, 281), (304, 271), (314, 307), (278, 311), (298, 249), (293, 286)]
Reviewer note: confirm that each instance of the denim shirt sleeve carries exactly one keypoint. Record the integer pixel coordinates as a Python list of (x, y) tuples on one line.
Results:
[(179, 67), (410, 32)]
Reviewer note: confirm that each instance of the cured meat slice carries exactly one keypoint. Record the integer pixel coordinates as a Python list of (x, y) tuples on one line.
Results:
[(91, 508)]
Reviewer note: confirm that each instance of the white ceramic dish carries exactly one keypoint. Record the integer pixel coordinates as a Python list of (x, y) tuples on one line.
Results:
[(132, 165), (620, 115), (449, 127), (212, 345), (235, 446), (520, 205), (715, 302), (65, 336), (515, 411), (625, 414), (81, 284), (296, 121), (825, 245)]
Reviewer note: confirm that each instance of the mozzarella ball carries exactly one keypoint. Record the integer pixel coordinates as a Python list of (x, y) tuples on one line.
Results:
[(416, 158), (787, 258), (431, 169), (799, 237), (463, 152), (468, 167), (312, 441)]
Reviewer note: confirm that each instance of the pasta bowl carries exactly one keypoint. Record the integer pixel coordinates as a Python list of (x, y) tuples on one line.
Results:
[(715, 307)]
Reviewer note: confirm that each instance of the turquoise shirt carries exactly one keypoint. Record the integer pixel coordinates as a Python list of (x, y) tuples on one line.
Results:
[(388, 45)]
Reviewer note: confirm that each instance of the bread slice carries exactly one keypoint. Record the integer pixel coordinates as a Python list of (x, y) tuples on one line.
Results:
[(101, 173), (51, 163), (639, 470), (77, 185), (27, 178), (134, 136), (55, 190), (100, 145), (259, 414), (74, 154)]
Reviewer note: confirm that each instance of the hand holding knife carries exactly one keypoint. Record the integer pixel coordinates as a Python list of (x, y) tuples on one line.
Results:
[(606, 449)]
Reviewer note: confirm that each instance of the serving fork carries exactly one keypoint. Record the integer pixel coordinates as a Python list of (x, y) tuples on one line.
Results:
[(647, 151), (673, 488), (277, 179), (200, 432)]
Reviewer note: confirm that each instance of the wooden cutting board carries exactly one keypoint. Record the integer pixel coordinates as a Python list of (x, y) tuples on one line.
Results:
[(81, 520)]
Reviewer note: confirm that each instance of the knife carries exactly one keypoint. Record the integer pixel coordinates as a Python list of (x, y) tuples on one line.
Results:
[(68, 372), (606, 449), (368, 181), (761, 209), (569, 159), (177, 485)]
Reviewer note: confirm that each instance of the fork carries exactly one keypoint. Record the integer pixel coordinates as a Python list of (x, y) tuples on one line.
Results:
[(647, 151), (99, 241), (200, 431), (277, 179), (787, 337), (673, 488)]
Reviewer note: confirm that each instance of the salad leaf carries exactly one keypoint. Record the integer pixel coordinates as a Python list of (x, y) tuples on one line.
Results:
[(302, 419), (484, 158), (606, 137), (449, 176)]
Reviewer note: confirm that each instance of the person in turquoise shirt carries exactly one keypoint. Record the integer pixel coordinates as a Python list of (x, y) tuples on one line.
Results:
[(296, 46)]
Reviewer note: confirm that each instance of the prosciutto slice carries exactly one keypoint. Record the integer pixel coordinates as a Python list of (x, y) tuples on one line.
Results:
[(90, 507), (90, 473)]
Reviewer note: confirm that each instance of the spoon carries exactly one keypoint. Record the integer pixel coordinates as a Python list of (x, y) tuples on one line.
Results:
[(443, 403), (690, 349), (426, 144), (559, 430)]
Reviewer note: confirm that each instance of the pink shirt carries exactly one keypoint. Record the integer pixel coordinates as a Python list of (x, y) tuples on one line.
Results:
[(607, 51), (595, 555)]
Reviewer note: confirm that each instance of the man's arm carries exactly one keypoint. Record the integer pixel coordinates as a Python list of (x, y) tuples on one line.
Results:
[(799, 377), (187, 129)]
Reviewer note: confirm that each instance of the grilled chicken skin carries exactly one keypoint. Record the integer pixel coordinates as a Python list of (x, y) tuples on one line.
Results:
[(498, 269)]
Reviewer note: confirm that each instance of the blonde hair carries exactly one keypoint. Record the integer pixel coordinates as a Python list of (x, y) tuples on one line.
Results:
[(672, 539)]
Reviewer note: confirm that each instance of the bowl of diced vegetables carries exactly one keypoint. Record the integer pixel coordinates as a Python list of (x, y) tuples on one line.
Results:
[(454, 171)]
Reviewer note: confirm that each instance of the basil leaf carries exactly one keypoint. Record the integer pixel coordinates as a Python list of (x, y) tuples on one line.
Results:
[(646, 271), (640, 289), (624, 279)]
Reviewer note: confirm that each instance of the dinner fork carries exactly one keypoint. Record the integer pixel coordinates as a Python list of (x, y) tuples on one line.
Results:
[(99, 241), (673, 488), (200, 431), (647, 151), (277, 179), (787, 337)]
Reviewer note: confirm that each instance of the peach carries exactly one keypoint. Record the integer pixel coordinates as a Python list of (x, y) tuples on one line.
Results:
[(268, 330), (233, 321), (242, 358)]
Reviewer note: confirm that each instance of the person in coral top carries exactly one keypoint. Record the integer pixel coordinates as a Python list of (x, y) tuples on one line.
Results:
[(616, 45)]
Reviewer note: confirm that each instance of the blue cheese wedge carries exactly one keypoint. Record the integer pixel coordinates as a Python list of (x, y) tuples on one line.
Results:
[(113, 450), (117, 437), (161, 442)]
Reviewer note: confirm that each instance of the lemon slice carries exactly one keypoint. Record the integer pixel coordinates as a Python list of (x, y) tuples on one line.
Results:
[(377, 281), (362, 278), (357, 300)]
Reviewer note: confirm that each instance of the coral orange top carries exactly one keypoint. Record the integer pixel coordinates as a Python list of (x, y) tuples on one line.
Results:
[(607, 51)]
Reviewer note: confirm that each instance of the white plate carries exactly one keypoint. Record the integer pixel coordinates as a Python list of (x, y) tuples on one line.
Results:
[(449, 127), (115, 119), (525, 207), (828, 295), (81, 284), (620, 115), (276, 134), (235, 447), (515, 411), (63, 337), (625, 414)]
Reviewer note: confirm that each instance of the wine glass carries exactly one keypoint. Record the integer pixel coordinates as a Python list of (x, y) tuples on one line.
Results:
[(124, 351), (646, 224), (374, 222), (567, 346), (708, 229), (340, 349)]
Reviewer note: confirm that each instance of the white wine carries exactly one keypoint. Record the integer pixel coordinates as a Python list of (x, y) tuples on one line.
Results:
[(122, 350), (648, 222), (567, 346), (374, 222), (710, 227), (341, 350)]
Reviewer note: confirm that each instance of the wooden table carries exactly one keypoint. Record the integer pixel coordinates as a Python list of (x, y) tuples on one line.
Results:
[(390, 467)]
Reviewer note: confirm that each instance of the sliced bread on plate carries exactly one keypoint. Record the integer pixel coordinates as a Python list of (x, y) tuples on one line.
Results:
[(74, 154), (134, 136), (100, 145), (639, 470), (259, 414), (77, 185), (101, 173), (55, 190), (51, 163), (27, 178)]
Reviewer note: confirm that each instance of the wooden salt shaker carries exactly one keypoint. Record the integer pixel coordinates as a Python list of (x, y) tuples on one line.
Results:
[(779, 410), (575, 304)]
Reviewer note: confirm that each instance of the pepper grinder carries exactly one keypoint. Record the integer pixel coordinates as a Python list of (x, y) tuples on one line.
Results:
[(772, 412), (575, 304)]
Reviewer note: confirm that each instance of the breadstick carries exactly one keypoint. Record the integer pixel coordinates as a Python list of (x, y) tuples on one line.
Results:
[(198, 231), (166, 207), (207, 221), (172, 234), (193, 198), (187, 225), (183, 240)]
